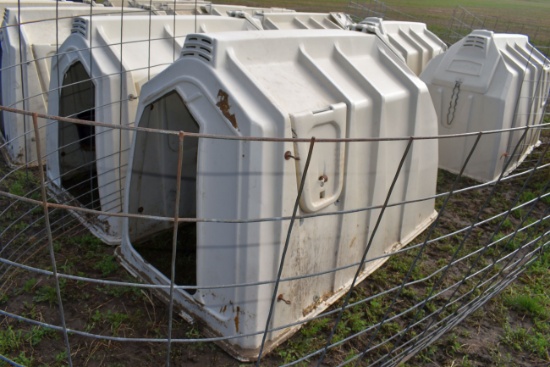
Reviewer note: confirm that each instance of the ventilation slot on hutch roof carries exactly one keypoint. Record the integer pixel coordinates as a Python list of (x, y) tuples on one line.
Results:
[(97, 155), (80, 26), (475, 41), (486, 82), (330, 84), (198, 46)]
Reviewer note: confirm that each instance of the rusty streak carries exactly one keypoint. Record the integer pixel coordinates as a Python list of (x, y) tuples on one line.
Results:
[(237, 319), (223, 105)]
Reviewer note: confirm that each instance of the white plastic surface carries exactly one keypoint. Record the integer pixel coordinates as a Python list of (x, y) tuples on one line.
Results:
[(227, 10), (163, 7), (26, 3), (112, 69), (297, 20), (324, 83), (27, 88), (412, 40), (485, 82)]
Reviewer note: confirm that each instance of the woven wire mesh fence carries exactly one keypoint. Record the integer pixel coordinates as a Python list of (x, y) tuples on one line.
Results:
[(66, 299), (463, 21)]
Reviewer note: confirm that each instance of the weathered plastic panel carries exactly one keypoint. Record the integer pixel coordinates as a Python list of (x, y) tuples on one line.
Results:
[(27, 88), (412, 40), (109, 68), (272, 21), (162, 7), (228, 10), (3, 5), (322, 83), (26, 3), (488, 81)]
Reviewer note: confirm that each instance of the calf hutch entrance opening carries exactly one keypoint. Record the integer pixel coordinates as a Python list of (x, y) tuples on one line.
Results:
[(77, 159), (154, 165)]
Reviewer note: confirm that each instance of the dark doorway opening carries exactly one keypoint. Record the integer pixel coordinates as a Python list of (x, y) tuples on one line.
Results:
[(77, 158), (153, 186)]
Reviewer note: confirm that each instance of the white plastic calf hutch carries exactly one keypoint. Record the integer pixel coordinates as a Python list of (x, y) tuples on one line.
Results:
[(284, 84), (488, 81), (21, 4), (26, 87), (412, 40), (297, 20), (163, 7), (100, 74)]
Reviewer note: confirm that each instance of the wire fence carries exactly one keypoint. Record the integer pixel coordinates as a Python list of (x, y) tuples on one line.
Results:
[(426, 298), (67, 298), (463, 21)]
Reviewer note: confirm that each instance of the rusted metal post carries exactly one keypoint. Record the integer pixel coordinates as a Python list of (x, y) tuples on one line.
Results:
[(50, 238), (174, 247)]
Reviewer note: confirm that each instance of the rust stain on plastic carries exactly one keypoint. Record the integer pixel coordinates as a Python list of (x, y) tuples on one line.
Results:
[(280, 298), (237, 319), (316, 303), (223, 105)]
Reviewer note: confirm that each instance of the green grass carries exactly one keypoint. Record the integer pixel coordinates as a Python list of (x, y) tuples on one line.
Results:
[(10, 340), (533, 305), (530, 299), (20, 343), (527, 341), (107, 265), (113, 320)]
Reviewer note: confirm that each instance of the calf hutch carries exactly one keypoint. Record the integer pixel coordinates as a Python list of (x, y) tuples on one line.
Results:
[(282, 21), (237, 195), (25, 68), (488, 82), (162, 7), (227, 10), (98, 73), (412, 40)]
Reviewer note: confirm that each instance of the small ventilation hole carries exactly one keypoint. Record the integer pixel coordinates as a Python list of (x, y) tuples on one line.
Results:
[(197, 46), (474, 41)]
